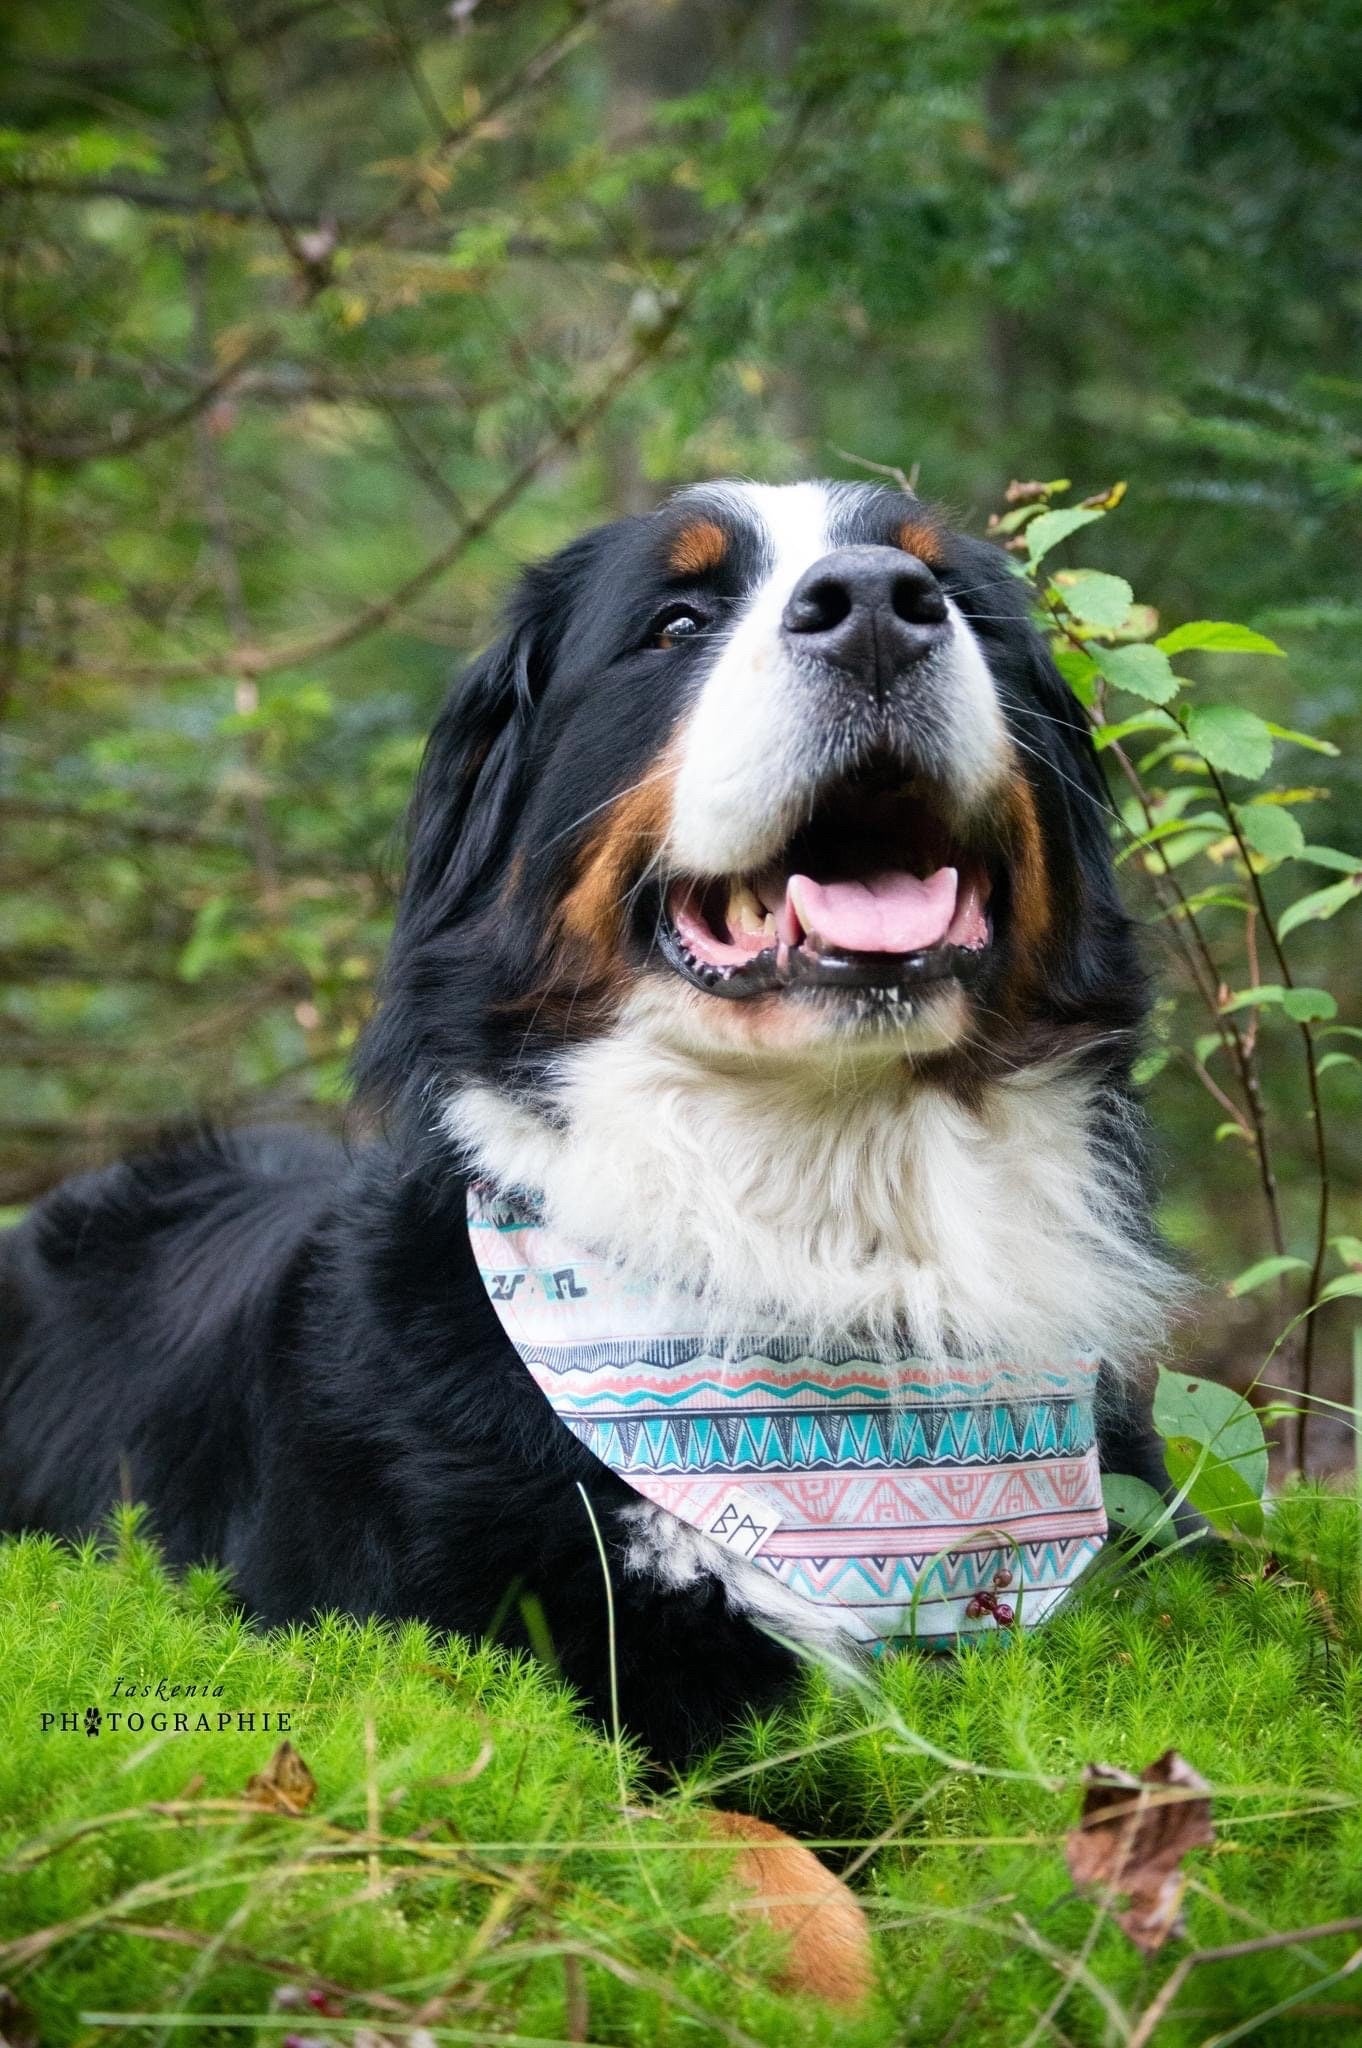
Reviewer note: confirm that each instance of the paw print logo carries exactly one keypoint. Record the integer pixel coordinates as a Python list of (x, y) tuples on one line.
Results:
[(93, 1717)]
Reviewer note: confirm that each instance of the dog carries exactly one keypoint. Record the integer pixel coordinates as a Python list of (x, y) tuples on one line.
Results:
[(760, 959)]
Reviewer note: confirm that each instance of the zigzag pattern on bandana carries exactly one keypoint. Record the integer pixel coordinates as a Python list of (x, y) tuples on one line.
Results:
[(893, 1493)]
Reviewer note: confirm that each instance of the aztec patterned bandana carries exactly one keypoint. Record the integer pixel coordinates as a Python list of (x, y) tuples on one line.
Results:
[(915, 1509)]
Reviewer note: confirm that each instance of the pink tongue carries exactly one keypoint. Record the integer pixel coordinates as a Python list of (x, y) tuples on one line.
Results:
[(890, 913)]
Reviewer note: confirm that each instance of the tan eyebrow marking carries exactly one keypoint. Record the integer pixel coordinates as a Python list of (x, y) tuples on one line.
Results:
[(699, 546), (919, 537)]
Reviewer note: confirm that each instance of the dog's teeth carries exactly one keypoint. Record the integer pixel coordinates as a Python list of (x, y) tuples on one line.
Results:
[(745, 914)]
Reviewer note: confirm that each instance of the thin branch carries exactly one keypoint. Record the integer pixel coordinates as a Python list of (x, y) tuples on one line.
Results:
[(415, 455), (1233, 1952), (127, 824), (251, 661), (285, 382), (65, 454), (314, 270), (16, 586), (260, 661), (165, 199), (411, 64), (353, 230), (457, 139), (261, 33), (1201, 962), (1316, 1116), (1218, 1096), (227, 565)]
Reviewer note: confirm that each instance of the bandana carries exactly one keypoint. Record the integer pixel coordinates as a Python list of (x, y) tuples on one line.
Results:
[(921, 1503)]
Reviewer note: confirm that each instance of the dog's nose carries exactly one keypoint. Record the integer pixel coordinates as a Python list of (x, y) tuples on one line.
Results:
[(870, 611)]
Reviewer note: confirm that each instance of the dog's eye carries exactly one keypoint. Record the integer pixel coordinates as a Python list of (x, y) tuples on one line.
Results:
[(678, 622)]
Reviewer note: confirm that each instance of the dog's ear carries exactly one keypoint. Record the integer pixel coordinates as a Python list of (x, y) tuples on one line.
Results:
[(468, 795), (459, 814), (468, 776), (466, 790)]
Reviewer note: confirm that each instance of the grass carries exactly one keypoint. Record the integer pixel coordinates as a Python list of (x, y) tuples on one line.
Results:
[(468, 1865)]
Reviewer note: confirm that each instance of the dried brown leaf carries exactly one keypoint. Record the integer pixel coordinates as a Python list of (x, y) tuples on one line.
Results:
[(286, 1785), (1104, 501), (18, 2028), (1131, 1838)]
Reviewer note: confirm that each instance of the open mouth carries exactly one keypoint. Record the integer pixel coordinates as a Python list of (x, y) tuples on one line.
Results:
[(876, 892)]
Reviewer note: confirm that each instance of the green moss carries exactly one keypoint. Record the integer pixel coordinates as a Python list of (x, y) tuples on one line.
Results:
[(467, 1838)]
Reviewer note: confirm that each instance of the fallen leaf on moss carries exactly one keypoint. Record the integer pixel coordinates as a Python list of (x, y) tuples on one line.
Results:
[(286, 1785), (1131, 1838)]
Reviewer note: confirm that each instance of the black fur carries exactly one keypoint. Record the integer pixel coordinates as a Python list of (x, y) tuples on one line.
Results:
[(286, 1351)]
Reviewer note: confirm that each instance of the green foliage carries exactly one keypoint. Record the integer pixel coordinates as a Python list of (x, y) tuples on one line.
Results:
[(315, 322), (467, 1834), (1176, 814)]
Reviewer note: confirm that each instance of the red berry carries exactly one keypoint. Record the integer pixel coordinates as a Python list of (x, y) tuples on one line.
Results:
[(1003, 1614), (1001, 1579)]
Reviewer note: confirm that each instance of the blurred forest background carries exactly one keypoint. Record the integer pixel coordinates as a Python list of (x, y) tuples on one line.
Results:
[(318, 316)]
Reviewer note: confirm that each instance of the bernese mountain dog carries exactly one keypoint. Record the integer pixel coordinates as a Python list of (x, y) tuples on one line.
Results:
[(758, 1026)]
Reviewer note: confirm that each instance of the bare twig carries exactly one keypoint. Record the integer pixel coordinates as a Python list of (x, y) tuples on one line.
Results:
[(456, 139), (16, 587), (1201, 963), (1230, 1952), (314, 270), (1307, 1356), (227, 566), (68, 454), (125, 824), (254, 661)]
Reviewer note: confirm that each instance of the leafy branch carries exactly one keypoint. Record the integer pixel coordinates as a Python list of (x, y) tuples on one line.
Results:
[(1180, 809)]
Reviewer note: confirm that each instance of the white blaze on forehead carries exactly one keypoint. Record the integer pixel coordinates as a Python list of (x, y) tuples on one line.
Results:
[(738, 755), (760, 741)]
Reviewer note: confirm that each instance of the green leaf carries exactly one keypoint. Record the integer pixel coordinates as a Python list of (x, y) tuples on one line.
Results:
[(1143, 721), (1349, 1249), (1309, 1005), (1134, 1508), (1323, 903), (1232, 739), (1053, 527), (1302, 739), (1079, 671), (1331, 857), (1215, 1488), (1200, 823), (1176, 752), (1217, 636), (1347, 1283), (1152, 1064), (1305, 1005), (1013, 521), (205, 944), (1214, 1416), (1094, 597), (1266, 1269), (1270, 830), (1337, 1059), (1214, 898), (1141, 670)]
